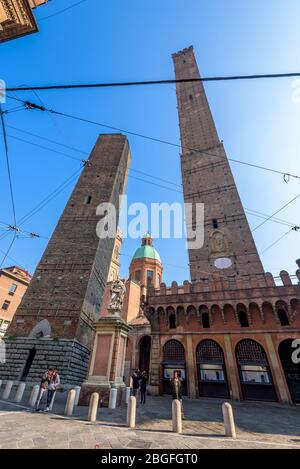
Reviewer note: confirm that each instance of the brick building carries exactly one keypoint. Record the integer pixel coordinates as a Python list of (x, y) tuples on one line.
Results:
[(17, 18), (13, 284), (229, 332)]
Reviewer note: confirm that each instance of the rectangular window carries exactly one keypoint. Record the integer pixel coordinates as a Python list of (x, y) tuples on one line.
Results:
[(4, 326), (255, 374), (137, 275), (211, 372), (5, 305), (12, 289), (149, 276), (158, 279)]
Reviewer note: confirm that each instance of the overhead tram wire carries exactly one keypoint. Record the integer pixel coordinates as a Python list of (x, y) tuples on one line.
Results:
[(59, 12), (275, 213), (249, 211), (155, 82), (147, 137)]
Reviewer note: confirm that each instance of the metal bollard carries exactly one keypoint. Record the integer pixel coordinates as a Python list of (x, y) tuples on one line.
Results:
[(131, 412), (176, 416), (113, 398), (93, 407), (228, 420), (34, 395), (52, 402), (70, 402), (20, 392), (0, 383), (7, 390)]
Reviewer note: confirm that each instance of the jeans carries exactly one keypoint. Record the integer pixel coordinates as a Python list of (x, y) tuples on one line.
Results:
[(49, 396)]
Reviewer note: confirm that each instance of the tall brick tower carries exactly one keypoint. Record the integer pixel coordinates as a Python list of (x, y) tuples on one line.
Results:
[(228, 247), (54, 322)]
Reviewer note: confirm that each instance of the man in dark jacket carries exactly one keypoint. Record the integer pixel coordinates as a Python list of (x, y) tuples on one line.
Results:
[(135, 382), (143, 386)]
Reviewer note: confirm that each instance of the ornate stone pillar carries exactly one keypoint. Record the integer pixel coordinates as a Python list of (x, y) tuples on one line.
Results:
[(154, 365), (232, 372), (278, 377), (106, 368), (190, 364)]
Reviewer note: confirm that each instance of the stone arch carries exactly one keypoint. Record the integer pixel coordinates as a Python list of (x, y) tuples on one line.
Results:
[(204, 316), (228, 313), (41, 329), (255, 375), (171, 317), (215, 314), (242, 315), (212, 379), (282, 313), (255, 313), (173, 360)]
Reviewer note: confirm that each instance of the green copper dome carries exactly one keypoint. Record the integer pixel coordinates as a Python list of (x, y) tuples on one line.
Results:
[(147, 250)]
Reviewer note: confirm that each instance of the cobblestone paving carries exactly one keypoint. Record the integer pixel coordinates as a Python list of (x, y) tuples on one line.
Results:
[(259, 425)]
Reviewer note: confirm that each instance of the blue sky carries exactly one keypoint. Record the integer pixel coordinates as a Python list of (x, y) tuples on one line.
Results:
[(116, 40)]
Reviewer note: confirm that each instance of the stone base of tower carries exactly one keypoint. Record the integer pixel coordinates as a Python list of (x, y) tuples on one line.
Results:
[(106, 369), (103, 389), (27, 359)]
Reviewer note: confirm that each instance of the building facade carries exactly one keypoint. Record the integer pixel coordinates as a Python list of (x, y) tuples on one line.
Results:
[(17, 18), (232, 331), (14, 282), (54, 322)]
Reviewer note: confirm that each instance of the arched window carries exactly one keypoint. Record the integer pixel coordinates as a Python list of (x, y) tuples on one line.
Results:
[(172, 321), (243, 318), (256, 379), (283, 317), (205, 321), (173, 351)]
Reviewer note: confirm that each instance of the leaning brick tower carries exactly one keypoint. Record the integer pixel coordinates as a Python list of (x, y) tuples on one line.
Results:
[(53, 325), (228, 247)]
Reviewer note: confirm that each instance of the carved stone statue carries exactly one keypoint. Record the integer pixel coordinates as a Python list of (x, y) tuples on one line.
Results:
[(117, 292)]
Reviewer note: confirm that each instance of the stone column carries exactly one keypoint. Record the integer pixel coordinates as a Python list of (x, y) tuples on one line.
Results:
[(153, 387), (278, 377), (232, 372), (190, 363)]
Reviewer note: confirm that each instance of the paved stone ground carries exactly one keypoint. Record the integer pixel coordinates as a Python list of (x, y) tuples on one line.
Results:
[(259, 425)]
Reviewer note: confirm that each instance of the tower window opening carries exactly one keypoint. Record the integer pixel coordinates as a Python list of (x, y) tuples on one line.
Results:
[(172, 321), (215, 223), (205, 321), (283, 318), (243, 318), (88, 199)]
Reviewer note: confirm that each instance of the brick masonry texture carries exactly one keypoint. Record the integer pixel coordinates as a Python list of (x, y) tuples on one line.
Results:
[(66, 290), (207, 178)]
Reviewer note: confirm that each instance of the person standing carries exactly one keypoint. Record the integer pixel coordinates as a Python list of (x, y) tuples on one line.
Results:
[(135, 382), (43, 389), (143, 386), (176, 387), (52, 387)]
